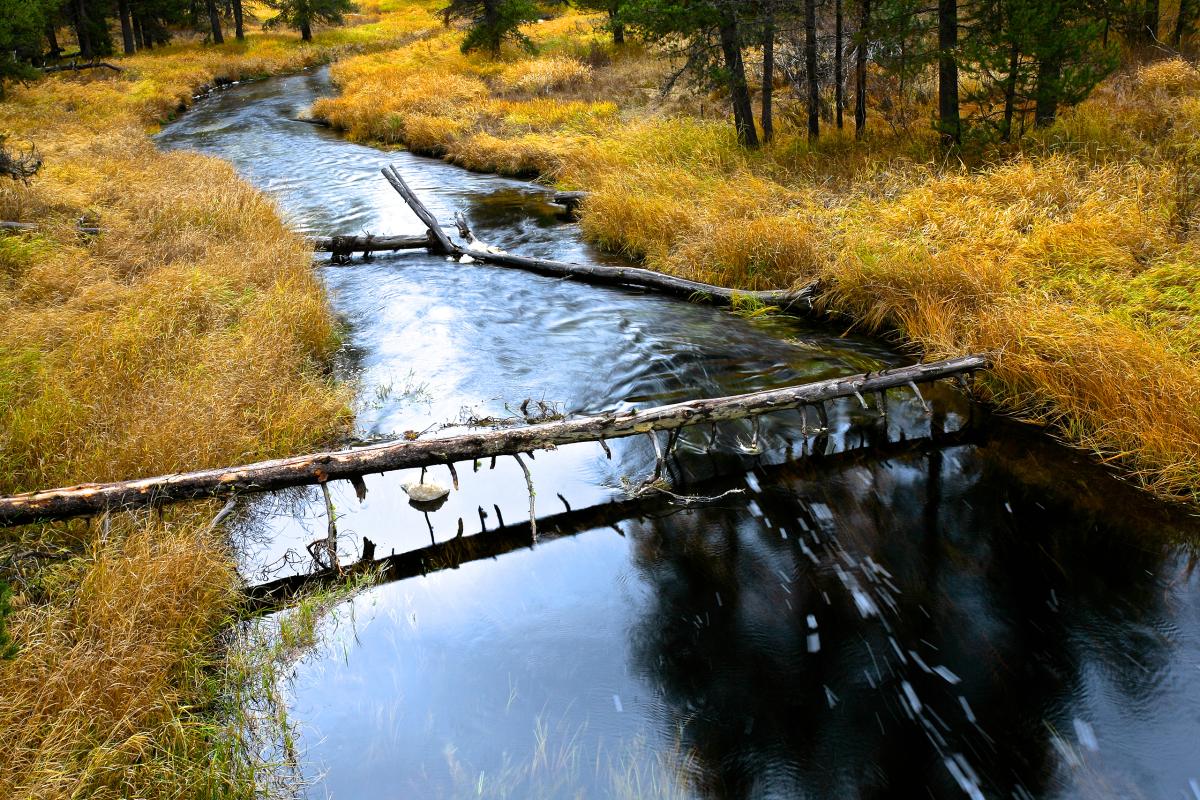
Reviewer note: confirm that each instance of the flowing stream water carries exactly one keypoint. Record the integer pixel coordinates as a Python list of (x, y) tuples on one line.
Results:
[(914, 604)]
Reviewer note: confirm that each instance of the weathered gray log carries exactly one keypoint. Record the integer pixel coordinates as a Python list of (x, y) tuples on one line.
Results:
[(318, 468), (367, 244), (435, 229), (596, 273), (604, 275), (73, 67)]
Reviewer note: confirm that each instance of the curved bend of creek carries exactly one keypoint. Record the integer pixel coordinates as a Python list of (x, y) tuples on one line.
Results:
[(916, 605)]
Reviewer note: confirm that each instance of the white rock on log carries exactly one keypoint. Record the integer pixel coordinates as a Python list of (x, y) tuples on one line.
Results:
[(424, 492)]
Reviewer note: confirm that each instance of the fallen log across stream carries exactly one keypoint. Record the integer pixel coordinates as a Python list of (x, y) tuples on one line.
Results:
[(318, 468), (596, 274), (494, 542)]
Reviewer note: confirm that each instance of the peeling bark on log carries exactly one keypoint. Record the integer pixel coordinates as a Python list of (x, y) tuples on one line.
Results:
[(596, 273), (282, 473)]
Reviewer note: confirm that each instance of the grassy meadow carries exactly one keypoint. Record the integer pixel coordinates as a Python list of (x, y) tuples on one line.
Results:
[(193, 332), (1074, 255)]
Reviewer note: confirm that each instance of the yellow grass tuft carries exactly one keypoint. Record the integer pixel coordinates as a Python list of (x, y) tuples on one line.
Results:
[(544, 75)]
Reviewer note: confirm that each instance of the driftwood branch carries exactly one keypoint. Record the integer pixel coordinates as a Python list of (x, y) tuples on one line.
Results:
[(282, 473), (594, 273)]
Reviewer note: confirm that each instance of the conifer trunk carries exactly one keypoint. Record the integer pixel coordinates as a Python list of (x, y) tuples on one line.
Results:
[(1010, 91), (618, 28), (839, 91), (127, 39), (52, 41), (238, 29), (214, 20), (810, 63), (768, 84), (1150, 22), (82, 34), (1048, 76), (948, 118), (739, 89), (860, 70)]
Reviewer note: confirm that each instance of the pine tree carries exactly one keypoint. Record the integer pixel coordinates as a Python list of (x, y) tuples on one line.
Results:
[(301, 15), (492, 22), (710, 36), (612, 8)]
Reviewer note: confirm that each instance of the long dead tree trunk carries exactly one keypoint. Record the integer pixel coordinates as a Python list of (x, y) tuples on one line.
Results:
[(594, 273), (317, 468)]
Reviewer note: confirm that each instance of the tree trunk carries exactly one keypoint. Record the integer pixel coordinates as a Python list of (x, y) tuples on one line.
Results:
[(52, 41), (1010, 91), (860, 70), (306, 31), (739, 89), (491, 22), (320, 468), (238, 30), (810, 64), (1183, 21), (839, 79), (82, 29), (618, 27), (214, 21), (126, 26), (1047, 91), (768, 77), (948, 119), (1150, 22)]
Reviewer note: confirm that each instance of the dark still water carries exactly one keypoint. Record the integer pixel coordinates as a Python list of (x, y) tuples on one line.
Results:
[(903, 605)]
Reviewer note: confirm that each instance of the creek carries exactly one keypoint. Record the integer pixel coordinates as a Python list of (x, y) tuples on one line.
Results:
[(916, 605)]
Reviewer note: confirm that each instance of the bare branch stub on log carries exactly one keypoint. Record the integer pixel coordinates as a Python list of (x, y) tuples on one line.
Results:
[(340, 465)]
